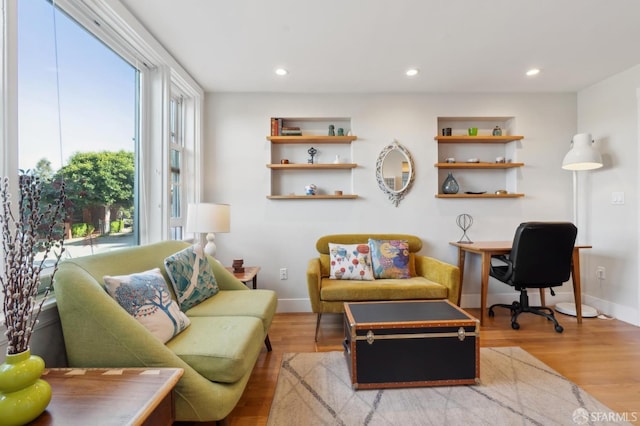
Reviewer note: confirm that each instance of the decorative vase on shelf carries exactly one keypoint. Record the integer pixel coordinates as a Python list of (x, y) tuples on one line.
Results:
[(450, 185), (23, 394)]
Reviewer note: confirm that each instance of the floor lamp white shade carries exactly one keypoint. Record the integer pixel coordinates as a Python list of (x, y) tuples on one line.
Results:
[(581, 156), (208, 218)]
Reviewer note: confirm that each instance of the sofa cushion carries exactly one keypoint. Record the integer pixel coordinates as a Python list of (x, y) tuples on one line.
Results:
[(390, 258), (222, 349), (383, 289), (257, 303), (191, 276), (350, 262), (146, 297)]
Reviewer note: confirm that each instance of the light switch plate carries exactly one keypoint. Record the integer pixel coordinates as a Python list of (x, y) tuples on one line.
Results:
[(617, 198)]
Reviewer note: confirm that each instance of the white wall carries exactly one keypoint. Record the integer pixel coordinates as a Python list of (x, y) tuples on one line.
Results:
[(277, 234), (610, 111)]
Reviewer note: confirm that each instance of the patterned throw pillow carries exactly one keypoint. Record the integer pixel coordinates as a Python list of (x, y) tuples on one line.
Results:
[(191, 276), (146, 297), (350, 262), (390, 258)]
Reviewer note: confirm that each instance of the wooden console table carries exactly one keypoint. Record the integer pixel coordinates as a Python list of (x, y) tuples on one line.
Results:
[(110, 396)]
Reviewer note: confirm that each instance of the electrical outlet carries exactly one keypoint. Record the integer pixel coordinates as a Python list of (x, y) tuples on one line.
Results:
[(284, 274), (601, 273)]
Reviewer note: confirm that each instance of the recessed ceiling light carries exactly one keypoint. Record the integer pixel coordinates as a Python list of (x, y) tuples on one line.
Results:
[(533, 71), (281, 71), (412, 72)]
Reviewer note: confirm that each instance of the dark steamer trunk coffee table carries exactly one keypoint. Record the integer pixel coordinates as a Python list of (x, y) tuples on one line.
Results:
[(410, 343)]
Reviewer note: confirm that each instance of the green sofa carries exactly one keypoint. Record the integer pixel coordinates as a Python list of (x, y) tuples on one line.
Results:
[(430, 278), (217, 351)]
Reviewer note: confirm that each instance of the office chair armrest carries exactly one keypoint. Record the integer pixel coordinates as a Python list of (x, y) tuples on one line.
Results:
[(502, 271), (501, 257)]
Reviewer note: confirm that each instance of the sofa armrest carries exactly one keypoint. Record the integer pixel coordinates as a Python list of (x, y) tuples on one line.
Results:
[(97, 331), (442, 273), (314, 279)]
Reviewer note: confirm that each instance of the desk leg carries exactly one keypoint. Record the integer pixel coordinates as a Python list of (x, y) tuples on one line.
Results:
[(461, 257), (255, 281), (486, 266), (577, 288)]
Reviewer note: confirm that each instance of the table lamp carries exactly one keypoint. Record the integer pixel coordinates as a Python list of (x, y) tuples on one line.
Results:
[(582, 156), (208, 218)]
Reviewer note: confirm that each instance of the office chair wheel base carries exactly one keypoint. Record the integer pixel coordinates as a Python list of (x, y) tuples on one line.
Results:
[(559, 328), (515, 325)]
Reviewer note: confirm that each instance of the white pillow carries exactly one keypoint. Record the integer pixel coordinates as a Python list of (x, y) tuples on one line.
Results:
[(350, 262), (146, 297)]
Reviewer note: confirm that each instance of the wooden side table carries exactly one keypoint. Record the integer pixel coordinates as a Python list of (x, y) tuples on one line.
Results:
[(110, 396), (250, 274)]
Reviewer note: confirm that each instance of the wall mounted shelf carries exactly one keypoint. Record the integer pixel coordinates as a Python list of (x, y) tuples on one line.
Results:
[(479, 195), (290, 178), (312, 197), (477, 139), (477, 165), (311, 139), (477, 176), (306, 166)]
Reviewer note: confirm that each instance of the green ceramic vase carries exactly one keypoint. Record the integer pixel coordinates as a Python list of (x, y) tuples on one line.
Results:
[(23, 395)]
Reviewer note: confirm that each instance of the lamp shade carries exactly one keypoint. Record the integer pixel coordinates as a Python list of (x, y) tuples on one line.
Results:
[(208, 217), (582, 155)]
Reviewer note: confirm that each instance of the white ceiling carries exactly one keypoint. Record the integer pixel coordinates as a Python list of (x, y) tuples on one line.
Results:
[(332, 46)]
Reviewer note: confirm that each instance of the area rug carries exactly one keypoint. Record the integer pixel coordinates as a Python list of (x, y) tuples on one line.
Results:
[(516, 389)]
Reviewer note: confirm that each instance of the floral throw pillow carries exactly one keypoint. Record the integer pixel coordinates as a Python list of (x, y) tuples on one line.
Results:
[(191, 276), (390, 258), (146, 297), (350, 262)]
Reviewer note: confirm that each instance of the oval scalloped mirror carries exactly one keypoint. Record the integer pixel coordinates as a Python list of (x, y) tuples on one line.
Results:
[(395, 171)]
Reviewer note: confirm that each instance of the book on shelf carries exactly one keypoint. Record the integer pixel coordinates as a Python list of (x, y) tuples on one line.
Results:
[(276, 126), (291, 133)]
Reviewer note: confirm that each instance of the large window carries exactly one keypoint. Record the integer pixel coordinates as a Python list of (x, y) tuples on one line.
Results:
[(77, 111), (105, 130)]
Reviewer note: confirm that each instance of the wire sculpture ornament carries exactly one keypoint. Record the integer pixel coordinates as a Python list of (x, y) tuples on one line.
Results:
[(464, 222)]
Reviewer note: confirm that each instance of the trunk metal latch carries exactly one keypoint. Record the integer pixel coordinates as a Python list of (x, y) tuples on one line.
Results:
[(461, 334), (370, 337)]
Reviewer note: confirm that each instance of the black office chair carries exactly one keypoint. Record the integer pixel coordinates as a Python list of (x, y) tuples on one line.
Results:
[(540, 258)]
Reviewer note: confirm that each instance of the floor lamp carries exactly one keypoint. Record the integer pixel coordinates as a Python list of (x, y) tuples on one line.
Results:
[(208, 218), (581, 156)]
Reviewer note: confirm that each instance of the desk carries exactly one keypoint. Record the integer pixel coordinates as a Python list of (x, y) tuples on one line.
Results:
[(110, 396), (486, 249), (250, 274)]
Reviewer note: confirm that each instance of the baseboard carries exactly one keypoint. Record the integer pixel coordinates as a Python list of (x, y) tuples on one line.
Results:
[(294, 305), (623, 313), (617, 311)]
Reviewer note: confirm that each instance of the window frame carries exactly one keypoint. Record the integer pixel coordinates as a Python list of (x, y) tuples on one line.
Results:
[(159, 75), (176, 146)]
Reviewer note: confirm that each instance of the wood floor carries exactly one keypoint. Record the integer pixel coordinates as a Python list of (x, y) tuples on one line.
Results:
[(601, 356)]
